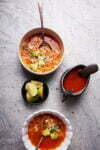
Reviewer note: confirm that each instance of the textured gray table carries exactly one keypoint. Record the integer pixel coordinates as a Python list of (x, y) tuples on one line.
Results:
[(78, 23)]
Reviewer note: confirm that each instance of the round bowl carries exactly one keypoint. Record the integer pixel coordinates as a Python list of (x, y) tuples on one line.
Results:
[(48, 32), (64, 145), (41, 100)]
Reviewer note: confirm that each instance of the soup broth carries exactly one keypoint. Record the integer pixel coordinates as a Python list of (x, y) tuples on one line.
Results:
[(40, 59), (41, 123)]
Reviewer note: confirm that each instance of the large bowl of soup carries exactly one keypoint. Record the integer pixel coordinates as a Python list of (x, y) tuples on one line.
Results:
[(52, 125), (41, 60)]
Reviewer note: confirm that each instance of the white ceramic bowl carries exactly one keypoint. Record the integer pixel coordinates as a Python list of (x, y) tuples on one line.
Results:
[(64, 145), (48, 32)]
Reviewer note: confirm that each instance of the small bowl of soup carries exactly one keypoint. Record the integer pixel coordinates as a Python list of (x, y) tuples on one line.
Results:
[(54, 128), (41, 60)]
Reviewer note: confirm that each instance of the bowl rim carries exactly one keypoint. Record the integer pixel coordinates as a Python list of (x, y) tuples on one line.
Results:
[(29, 70), (69, 133)]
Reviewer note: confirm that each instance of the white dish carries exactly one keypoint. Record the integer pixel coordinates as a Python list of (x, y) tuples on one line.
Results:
[(64, 145)]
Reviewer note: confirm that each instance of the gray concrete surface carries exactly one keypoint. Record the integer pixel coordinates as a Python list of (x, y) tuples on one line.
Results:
[(78, 23)]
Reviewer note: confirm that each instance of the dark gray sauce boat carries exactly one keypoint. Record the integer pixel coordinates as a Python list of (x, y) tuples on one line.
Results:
[(71, 93), (85, 71)]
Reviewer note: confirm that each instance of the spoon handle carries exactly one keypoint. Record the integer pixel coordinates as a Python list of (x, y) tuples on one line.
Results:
[(88, 70), (41, 15), (41, 139)]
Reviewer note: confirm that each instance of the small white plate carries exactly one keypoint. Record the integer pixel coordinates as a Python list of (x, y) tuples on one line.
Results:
[(64, 145)]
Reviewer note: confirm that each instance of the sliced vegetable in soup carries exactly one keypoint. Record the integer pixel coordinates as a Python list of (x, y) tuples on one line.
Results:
[(40, 60), (51, 127)]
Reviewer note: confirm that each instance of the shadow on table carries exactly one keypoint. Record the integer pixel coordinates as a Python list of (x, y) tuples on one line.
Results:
[(73, 101), (29, 75), (21, 146), (69, 148)]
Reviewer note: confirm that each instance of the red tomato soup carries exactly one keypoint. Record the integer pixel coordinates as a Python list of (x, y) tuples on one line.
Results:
[(40, 60), (51, 127), (73, 82)]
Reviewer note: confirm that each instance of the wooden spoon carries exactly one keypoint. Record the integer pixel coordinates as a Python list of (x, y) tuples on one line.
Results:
[(44, 43)]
